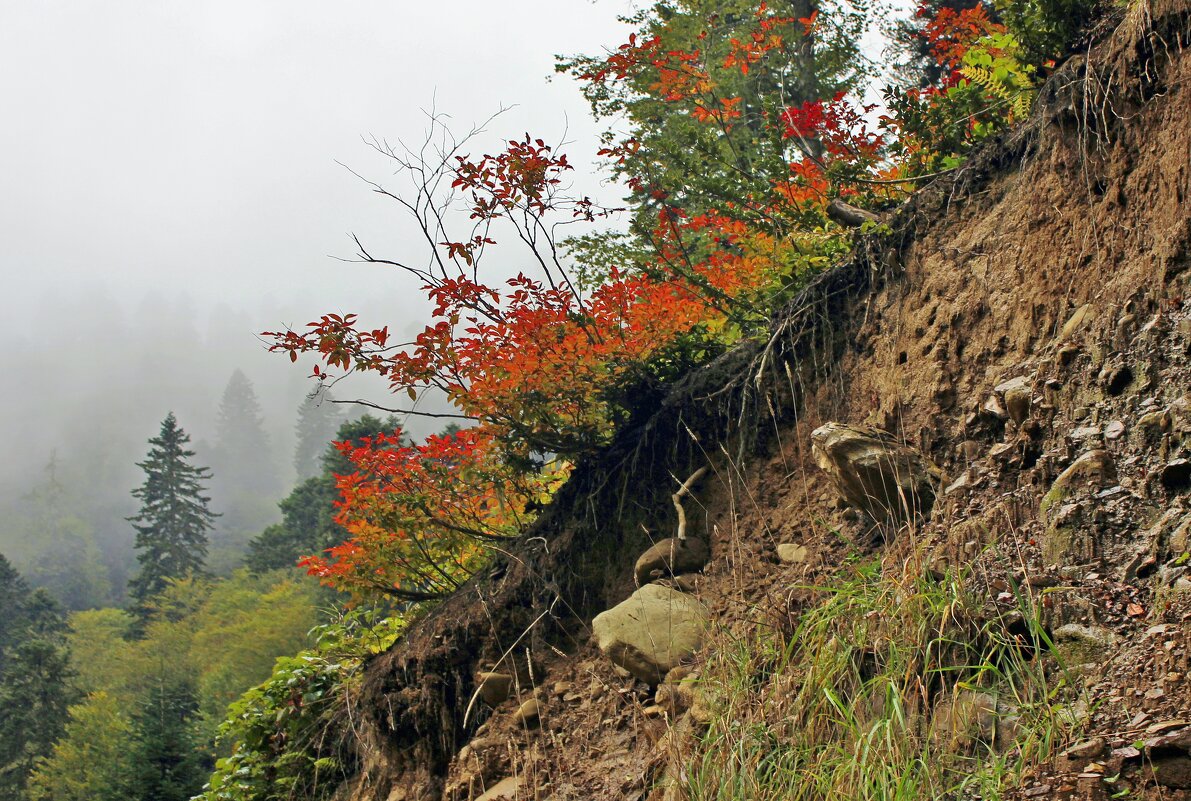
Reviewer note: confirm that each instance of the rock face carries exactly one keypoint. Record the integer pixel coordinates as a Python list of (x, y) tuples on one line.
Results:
[(875, 473), (671, 557), (652, 631)]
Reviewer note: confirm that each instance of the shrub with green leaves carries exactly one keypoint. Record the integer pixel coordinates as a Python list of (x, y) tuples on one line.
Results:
[(289, 735)]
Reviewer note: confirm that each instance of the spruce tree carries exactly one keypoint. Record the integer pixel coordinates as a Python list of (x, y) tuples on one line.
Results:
[(246, 477), (34, 679), (318, 420), (169, 765), (242, 453), (171, 527)]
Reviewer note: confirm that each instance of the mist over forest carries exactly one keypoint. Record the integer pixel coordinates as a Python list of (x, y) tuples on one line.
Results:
[(93, 392)]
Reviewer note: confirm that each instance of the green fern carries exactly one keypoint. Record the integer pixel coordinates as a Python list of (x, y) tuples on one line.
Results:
[(1017, 98), (994, 63)]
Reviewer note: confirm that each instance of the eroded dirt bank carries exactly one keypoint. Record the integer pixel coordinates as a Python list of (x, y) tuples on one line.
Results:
[(1027, 312)]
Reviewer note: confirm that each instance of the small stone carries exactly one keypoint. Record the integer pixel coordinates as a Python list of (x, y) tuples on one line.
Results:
[(677, 674), (1085, 432), (1159, 420), (670, 557), (1040, 791), (1078, 320), (562, 687), (993, 408), (1088, 749), (674, 698), (970, 450), (1016, 393), (1001, 452), (1093, 465), (791, 553), (494, 687), (1164, 726), (1114, 430), (528, 714), (504, 790), (652, 711), (963, 482)]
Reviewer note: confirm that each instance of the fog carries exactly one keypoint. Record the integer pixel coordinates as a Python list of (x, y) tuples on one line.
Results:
[(176, 181)]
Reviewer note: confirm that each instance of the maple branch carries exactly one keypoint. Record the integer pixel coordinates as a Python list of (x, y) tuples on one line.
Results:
[(414, 412)]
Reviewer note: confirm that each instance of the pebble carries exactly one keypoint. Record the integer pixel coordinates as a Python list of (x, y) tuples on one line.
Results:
[(528, 714), (1114, 430)]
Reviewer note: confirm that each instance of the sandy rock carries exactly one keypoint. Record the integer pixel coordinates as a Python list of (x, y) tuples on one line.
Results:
[(964, 719), (875, 473), (528, 714), (1016, 393), (670, 557), (1080, 645), (791, 553), (1078, 319), (1094, 466), (505, 790), (494, 687), (652, 631)]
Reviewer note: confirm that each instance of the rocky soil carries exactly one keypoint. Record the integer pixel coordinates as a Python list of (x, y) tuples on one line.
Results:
[(1003, 387)]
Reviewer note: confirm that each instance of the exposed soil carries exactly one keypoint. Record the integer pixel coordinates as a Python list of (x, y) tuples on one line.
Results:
[(1060, 256)]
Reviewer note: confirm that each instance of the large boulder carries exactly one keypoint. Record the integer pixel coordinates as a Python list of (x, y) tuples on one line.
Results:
[(875, 473), (652, 631)]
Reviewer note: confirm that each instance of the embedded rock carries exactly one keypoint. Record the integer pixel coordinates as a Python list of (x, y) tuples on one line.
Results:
[(504, 790), (529, 714), (1016, 393), (652, 631), (1093, 466), (671, 557), (494, 687), (875, 473), (791, 553)]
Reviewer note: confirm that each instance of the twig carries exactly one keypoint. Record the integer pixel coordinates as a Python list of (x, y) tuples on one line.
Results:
[(678, 496)]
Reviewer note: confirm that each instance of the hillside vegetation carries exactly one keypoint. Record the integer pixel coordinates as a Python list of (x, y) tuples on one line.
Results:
[(848, 457)]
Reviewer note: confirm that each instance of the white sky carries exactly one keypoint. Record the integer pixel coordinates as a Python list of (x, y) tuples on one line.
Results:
[(169, 185), (191, 144)]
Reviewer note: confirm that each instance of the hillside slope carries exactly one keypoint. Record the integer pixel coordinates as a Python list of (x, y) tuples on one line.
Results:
[(1023, 337)]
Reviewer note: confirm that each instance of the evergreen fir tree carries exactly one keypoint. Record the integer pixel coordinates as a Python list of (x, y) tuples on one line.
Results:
[(242, 453), (34, 679), (246, 478), (169, 765), (171, 527), (318, 420)]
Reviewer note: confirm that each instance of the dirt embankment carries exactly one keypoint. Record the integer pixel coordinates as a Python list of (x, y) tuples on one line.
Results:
[(1055, 269)]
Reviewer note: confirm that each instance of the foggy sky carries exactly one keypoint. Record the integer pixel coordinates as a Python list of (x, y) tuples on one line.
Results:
[(171, 186)]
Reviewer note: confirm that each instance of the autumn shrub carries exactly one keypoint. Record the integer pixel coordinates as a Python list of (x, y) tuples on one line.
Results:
[(739, 129)]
